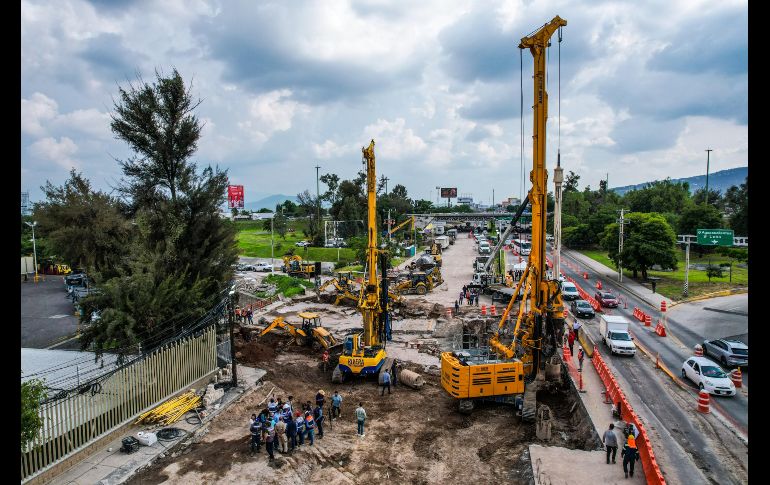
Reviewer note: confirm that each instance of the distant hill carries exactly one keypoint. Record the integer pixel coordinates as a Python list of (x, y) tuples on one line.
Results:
[(721, 181), (269, 202)]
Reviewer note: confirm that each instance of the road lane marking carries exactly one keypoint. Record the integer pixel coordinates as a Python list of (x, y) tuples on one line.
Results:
[(58, 316)]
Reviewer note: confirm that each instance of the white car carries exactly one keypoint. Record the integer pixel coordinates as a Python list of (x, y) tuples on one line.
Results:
[(302, 244), (263, 267), (569, 291), (708, 376)]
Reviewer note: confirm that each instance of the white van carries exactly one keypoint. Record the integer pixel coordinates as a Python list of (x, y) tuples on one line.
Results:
[(484, 247), (569, 291), (614, 330)]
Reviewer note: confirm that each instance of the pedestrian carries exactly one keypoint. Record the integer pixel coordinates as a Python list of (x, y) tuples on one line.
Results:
[(307, 407), (468, 297), (385, 383), (395, 368), (290, 401), (272, 406), (571, 340), (318, 416), (361, 418), (237, 314), (310, 427), (632, 429), (250, 315), (575, 327), (457, 305), (611, 443), (476, 297), (325, 360), (630, 455), (320, 398), (269, 440), (291, 433), (256, 434), (280, 433), (581, 354), (299, 421), (462, 293), (286, 413), (336, 405), (252, 419), (464, 288)]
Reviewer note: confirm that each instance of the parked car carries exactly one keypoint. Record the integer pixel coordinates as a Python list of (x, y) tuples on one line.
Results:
[(263, 267), (549, 238), (606, 299), (708, 376), (246, 267), (728, 352), (302, 244), (581, 308)]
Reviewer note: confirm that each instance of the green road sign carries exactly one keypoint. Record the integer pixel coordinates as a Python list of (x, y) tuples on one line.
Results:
[(715, 237)]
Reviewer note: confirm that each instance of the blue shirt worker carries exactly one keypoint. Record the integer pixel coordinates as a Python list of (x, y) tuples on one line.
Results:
[(336, 405), (385, 382), (361, 418), (310, 426)]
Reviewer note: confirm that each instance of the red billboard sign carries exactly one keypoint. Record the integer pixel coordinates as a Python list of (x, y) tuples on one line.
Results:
[(235, 196)]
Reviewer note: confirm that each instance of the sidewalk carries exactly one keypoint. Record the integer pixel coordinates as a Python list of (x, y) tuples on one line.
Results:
[(561, 465), (608, 274), (110, 466)]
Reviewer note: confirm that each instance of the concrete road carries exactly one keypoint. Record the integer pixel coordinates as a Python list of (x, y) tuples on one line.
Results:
[(456, 269), (670, 412), (47, 315)]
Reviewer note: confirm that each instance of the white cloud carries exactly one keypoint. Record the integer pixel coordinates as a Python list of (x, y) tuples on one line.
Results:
[(35, 111), (271, 112), (329, 149), (59, 152), (393, 140)]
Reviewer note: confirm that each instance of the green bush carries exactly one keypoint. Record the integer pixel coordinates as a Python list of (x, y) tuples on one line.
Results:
[(32, 392)]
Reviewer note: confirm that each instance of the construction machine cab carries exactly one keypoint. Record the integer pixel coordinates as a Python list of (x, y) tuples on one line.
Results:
[(309, 321)]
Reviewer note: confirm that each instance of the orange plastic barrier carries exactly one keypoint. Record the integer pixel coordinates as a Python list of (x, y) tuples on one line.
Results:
[(615, 394)]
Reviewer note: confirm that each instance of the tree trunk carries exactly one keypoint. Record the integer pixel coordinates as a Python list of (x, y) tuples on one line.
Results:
[(636, 275)]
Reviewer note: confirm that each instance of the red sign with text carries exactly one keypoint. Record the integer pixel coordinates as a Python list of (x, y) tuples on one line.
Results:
[(235, 196)]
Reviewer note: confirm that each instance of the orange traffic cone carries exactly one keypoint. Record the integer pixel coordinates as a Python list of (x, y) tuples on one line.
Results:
[(703, 402), (598, 285), (698, 350), (493, 310), (737, 377), (483, 309)]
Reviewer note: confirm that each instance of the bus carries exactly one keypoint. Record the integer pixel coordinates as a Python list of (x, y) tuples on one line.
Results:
[(522, 247)]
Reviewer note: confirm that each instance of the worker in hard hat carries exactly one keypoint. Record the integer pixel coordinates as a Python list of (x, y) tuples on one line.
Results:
[(630, 455)]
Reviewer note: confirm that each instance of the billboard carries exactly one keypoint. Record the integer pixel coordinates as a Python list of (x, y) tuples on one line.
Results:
[(235, 196), (449, 192)]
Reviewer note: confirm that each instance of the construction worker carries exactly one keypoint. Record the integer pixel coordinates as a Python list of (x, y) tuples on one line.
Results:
[(630, 455), (320, 398), (462, 294), (318, 415), (299, 421), (280, 433), (272, 406), (571, 340), (457, 305), (611, 443), (291, 433), (581, 354), (256, 434), (385, 382), (361, 418), (325, 359), (394, 370), (336, 405), (576, 326), (269, 440), (309, 427)]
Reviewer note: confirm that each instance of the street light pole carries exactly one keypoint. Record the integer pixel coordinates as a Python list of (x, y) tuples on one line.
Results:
[(318, 198), (272, 255), (34, 247), (231, 310), (437, 195)]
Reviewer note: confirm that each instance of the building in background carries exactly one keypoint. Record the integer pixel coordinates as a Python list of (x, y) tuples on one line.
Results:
[(466, 199), (26, 206)]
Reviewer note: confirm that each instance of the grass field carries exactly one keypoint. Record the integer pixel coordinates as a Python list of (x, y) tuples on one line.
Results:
[(671, 283), (254, 241)]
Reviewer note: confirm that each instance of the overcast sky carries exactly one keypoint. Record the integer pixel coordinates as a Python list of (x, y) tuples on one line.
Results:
[(646, 87)]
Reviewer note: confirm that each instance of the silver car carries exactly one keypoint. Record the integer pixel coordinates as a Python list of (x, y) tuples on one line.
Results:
[(728, 352)]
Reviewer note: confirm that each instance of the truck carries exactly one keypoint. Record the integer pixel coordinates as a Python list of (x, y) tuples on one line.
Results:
[(614, 330), (443, 241), (452, 233), (479, 262)]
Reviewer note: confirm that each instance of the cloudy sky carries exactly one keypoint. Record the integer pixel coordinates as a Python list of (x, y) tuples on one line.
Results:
[(646, 87)]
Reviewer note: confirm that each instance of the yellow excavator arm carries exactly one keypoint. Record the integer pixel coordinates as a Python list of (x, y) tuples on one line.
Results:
[(402, 224)]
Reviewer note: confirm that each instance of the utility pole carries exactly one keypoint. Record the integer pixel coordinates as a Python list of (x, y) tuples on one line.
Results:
[(621, 222), (388, 225), (318, 198), (708, 153), (493, 198), (386, 184), (686, 240), (272, 255), (34, 247)]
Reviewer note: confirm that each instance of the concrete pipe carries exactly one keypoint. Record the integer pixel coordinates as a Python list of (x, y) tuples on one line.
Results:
[(411, 379)]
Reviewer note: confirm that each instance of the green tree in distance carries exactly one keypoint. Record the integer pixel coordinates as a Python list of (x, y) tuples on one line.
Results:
[(648, 240)]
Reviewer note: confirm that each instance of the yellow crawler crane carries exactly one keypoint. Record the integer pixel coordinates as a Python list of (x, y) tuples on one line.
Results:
[(363, 353), (512, 373)]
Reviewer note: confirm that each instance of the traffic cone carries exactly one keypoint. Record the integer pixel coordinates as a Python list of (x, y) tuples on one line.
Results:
[(493, 311), (698, 350), (737, 377), (566, 353), (598, 285), (648, 321), (703, 402), (663, 305), (483, 309), (585, 275)]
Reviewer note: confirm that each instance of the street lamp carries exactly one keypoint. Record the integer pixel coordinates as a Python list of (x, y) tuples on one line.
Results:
[(231, 310), (272, 255), (34, 247)]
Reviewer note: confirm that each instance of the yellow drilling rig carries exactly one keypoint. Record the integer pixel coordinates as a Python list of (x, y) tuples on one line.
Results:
[(512, 372)]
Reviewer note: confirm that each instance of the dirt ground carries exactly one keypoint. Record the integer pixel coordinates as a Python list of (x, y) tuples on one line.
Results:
[(412, 436)]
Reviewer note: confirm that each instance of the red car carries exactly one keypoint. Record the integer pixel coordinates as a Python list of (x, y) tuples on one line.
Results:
[(606, 299)]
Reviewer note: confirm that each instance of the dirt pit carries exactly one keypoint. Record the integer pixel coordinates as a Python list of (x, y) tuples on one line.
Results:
[(412, 436)]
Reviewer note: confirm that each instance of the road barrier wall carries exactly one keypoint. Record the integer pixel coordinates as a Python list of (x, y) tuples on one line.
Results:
[(615, 393)]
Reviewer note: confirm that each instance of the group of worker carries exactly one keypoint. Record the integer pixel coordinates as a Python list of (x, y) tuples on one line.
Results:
[(283, 428), (471, 296), (629, 453), (243, 315)]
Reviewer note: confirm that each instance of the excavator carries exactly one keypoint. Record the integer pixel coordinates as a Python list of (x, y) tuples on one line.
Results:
[(363, 353), (307, 333), (402, 224), (513, 372), (293, 265), (347, 290)]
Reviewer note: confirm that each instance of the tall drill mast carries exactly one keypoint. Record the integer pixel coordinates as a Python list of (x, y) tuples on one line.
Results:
[(369, 303)]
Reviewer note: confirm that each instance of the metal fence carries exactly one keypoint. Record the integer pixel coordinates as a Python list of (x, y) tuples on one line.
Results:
[(71, 423)]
